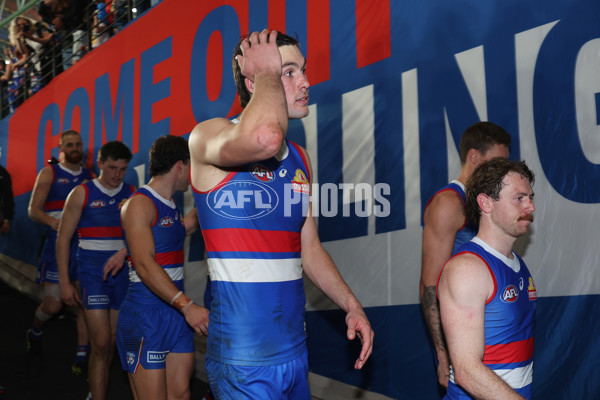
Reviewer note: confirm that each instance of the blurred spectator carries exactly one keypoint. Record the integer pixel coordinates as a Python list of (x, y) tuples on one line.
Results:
[(67, 18), (7, 202), (15, 75), (35, 39)]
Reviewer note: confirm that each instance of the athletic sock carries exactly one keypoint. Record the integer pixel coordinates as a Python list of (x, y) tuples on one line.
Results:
[(35, 333), (82, 353)]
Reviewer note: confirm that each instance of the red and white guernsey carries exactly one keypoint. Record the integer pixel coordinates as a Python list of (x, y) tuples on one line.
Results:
[(251, 223)]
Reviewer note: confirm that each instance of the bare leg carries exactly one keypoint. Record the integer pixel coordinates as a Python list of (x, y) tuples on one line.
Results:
[(98, 323), (149, 384), (179, 372)]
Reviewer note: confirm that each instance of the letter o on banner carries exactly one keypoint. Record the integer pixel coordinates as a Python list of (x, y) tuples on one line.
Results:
[(202, 106)]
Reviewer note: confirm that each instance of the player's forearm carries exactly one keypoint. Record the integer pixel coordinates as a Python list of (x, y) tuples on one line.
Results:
[(62, 260), (39, 216), (156, 279), (431, 313), (482, 383), (266, 116)]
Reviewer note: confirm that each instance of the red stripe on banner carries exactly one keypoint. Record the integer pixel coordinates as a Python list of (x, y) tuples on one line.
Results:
[(233, 239), (318, 49), (509, 352), (54, 205), (170, 257), (100, 232), (277, 15), (373, 32)]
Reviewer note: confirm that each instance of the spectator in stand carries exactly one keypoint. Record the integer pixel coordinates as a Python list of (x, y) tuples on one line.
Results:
[(67, 17), (15, 75), (29, 37)]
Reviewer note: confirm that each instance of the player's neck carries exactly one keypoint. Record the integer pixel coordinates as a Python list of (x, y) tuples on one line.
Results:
[(498, 240), (163, 186), (71, 166)]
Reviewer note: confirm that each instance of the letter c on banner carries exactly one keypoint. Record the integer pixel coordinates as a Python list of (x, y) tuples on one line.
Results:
[(51, 114), (225, 20), (78, 98)]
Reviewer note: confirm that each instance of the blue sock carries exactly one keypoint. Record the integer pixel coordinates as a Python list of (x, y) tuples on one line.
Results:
[(35, 333)]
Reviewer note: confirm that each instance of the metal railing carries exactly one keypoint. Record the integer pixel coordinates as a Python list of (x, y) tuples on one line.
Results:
[(64, 49)]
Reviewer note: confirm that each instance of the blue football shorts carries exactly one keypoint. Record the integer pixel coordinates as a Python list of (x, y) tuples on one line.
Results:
[(287, 381), (97, 294), (47, 267), (147, 333)]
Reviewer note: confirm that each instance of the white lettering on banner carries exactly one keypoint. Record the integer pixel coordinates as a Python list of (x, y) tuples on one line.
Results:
[(358, 141), (587, 87)]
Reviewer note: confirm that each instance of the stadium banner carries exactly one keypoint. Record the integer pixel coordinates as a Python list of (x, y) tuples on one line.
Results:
[(394, 85)]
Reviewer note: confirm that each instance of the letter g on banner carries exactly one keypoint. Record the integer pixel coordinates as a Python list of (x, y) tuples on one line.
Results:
[(566, 110), (221, 20)]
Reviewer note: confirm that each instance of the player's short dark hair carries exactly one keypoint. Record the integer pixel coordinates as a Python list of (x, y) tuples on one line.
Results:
[(67, 133), (481, 136), (242, 90), (488, 179), (115, 150), (165, 152)]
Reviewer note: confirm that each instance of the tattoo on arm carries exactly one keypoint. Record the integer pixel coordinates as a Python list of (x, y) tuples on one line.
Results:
[(431, 311)]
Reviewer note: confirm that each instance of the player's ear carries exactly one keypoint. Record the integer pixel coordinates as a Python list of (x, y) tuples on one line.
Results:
[(485, 203), (474, 156), (249, 85)]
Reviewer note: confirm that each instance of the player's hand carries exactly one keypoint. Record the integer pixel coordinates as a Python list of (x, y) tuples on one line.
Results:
[(443, 371), (260, 55), (197, 317), (55, 224), (68, 294), (114, 264), (358, 325)]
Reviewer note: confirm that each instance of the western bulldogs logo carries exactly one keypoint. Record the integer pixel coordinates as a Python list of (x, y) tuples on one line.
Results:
[(262, 173), (510, 294), (130, 358), (166, 222), (97, 204), (531, 290)]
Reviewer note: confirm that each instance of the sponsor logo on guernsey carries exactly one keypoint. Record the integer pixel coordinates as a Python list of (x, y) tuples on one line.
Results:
[(97, 300), (97, 204), (241, 200), (156, 356), (111, 201), (122, 203), (262, 173), (166, 222), (283, 172), (510, 294), (531, 290), (300, 183), (130, 358), (63, 180)]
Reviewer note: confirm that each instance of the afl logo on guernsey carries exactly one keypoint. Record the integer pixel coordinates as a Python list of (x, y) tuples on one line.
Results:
[(63, 180), (262, 173), (510, 294), (166, 222), (97, 204), (241, 200)]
